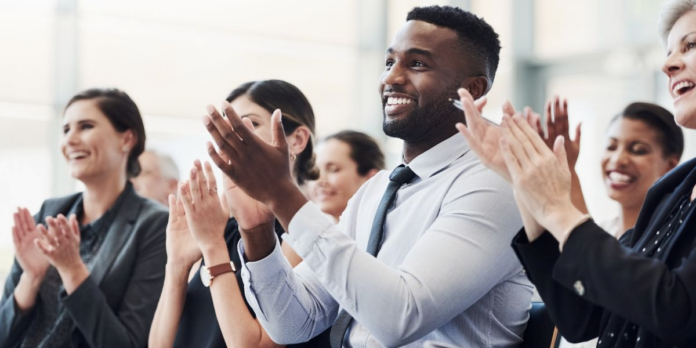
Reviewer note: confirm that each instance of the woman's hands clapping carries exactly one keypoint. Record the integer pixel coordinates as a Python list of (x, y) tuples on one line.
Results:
[(181, 247), (24, 232)]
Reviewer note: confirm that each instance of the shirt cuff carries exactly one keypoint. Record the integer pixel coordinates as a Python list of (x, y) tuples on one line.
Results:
[(305, 228), (264, 270)]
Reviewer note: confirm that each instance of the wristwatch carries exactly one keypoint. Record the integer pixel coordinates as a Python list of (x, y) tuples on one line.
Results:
[(208, 273)]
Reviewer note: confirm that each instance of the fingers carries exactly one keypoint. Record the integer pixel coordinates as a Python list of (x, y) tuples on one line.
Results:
[(278, 140), (221, 131), (44, 240), (242, 132), (560, 152), (480, 103), (508, 109), (171, 199), (515, 139), (220, 159), (74, 225), (43, 247), (51, 235), (578, 134), (249, 124), (212, 182), (510, 160), (17, 224), (193, 185), (186, 199), (15, 236), (471, 114), (202, 182)]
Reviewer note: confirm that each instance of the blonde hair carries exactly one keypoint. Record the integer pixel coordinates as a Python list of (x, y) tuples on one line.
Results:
[(670, 13)]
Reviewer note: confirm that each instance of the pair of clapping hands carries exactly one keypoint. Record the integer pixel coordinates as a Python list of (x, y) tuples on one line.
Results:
[(537, 168), (37, 246)]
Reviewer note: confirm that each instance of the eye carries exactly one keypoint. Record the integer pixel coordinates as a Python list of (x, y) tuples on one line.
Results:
[(690, 45), (66, 129), (640, 149), (389, 63), (255, 124), (418, 64), (86, 126), (611, 147)]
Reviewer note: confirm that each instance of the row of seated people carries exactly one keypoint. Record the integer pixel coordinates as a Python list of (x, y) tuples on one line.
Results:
[(416, 255)]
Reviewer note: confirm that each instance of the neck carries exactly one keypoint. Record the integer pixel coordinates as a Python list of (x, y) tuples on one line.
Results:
[(100, 195), (413, 149), (628, 218)]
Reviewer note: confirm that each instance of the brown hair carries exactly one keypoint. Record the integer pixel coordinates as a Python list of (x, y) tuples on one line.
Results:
[(364, 150), (278, 94), (123, 114)]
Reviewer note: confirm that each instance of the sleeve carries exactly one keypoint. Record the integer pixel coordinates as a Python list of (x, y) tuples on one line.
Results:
[(12, 323), (577, 319), (130, 324), (401, 304), (643, 290)]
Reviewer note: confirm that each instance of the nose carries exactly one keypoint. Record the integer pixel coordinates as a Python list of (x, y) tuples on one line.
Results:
[(70, 137), (673, 63), (321, 182), (393, 76), (620, 158)]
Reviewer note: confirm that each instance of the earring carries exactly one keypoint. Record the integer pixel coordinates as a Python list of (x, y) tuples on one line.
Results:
[(293, 157)]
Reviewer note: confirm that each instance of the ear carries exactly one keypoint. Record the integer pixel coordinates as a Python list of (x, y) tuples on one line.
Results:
[(476, 85), (672, 162), (128, 140), (172, 185), (297, 141)]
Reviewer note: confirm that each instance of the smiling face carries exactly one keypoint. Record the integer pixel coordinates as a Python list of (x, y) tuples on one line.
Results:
[(339, 178), (632, 161), (680, 67), (91, 145), (423, 68), (259, 117)]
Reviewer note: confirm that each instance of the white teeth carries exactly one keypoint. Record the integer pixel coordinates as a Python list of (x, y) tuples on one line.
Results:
[(77, 154), (620, 178), (392, 101), (681, 85)]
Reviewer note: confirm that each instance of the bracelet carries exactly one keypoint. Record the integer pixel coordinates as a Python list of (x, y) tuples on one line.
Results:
[(570, 229)]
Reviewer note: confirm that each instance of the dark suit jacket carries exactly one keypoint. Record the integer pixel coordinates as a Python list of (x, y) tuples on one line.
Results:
[(596, 277), (114, 307)]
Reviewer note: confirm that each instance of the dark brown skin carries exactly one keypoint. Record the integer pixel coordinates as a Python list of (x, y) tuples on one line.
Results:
[(423, 63)]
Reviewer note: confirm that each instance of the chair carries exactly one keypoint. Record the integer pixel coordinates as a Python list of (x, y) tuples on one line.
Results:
[(540, 332)]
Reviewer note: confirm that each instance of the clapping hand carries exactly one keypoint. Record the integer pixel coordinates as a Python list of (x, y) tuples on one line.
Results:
[(24, 232), (204, 214), (181, 247), (559, 125)]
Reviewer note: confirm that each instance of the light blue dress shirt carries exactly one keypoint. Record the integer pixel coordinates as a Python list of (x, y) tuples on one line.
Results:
[(445, 272)]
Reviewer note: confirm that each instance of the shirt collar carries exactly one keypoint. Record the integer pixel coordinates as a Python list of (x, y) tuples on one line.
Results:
[(439, 156)]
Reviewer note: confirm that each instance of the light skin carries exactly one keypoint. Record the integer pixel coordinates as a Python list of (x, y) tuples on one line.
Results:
[(97, 155), (546, 203), (422, 65), (196, 228), (150, 183), (339, 178), (633, 160)]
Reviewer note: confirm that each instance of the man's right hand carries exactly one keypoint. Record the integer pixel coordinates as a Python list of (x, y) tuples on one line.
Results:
[(24, 231)]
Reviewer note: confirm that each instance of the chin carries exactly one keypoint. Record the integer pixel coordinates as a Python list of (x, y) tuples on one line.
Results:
[(686, 118)]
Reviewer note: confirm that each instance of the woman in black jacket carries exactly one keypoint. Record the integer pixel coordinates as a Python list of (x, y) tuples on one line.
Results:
[(93, 279), (639, 291)]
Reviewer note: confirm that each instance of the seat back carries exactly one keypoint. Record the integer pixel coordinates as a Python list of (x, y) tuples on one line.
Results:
[(540, 332)]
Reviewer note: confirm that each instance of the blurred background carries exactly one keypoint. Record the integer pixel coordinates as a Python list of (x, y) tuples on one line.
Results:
[(175, 57)]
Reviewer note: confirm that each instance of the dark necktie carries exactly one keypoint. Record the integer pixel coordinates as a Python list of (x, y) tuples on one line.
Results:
[(398, 177)]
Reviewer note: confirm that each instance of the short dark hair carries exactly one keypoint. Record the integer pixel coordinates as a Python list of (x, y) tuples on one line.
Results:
[(478, 39), (297, 111), (364, 150), (123, 114), (670, 135)]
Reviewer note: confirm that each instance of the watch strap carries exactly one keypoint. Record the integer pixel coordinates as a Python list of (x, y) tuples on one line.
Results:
[(221, 269)]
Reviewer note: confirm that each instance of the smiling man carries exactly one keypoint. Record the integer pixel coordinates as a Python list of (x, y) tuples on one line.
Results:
[(421, 254)]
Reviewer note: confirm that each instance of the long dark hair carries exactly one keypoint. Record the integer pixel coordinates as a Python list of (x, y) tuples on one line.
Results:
[(123, 114), (278, 94)]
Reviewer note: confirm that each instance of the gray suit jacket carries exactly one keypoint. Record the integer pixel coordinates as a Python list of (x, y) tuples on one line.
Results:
[(114, 307)]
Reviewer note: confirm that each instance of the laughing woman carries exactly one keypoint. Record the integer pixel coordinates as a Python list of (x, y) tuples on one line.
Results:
[(639, 291), (92, 280)]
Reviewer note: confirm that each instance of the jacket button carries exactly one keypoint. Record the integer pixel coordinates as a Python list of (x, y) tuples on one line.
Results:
[(579, 288)]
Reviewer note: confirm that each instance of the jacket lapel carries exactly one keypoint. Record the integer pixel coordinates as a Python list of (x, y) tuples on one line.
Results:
[(118, 234)]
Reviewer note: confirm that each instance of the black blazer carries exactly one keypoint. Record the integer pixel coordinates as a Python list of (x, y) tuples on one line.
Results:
[(114, 307), (597, 277)]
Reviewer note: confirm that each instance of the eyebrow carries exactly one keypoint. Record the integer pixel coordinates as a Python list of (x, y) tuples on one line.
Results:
[(418, 51), (80, 122), (682, 40), (248, 115)]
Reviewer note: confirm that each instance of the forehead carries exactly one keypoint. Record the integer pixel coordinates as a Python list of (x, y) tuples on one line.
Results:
[(83, 110), (332, 150), (685, 25), (243, 105), (630, 129), (423, 35)]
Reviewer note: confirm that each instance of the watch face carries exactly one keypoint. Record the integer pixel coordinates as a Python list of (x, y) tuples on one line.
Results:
[(205, 276)]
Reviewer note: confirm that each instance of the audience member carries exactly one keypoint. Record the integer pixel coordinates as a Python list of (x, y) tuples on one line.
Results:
[(189, 314), (639, 291), (346, 160), (444, 270), (159, 176), (91, 276)]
